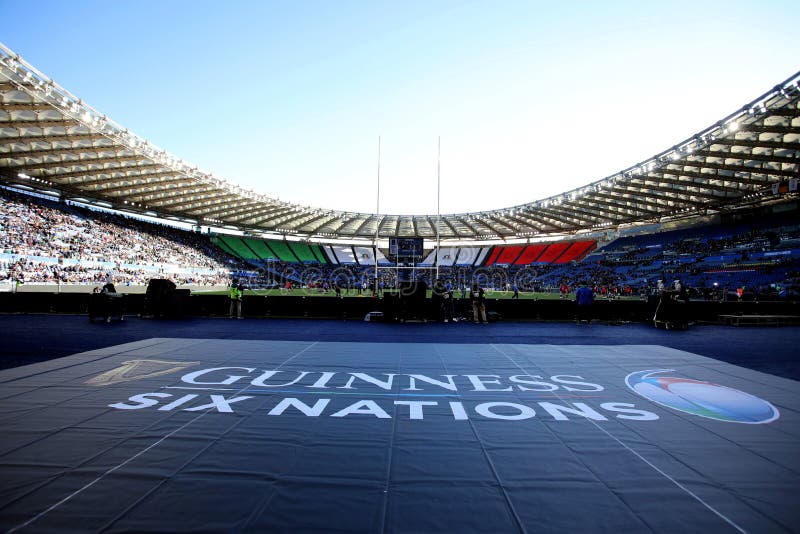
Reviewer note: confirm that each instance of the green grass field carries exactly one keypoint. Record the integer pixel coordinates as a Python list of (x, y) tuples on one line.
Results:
[(354, 294)]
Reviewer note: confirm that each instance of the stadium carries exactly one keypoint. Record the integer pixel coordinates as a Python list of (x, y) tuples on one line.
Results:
[(358, 394)]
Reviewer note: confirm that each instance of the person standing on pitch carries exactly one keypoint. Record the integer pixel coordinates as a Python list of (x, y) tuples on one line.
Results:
[(584, 298), (448, 302), (235, 291), (438, 296), (478, 298)]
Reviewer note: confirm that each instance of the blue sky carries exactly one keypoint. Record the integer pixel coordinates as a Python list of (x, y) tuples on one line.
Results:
[(530, 98)]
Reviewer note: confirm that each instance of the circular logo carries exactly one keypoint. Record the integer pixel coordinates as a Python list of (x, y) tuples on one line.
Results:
[(701, 398)]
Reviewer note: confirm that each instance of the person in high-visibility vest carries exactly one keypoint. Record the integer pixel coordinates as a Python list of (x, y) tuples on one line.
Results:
[(235, 291)]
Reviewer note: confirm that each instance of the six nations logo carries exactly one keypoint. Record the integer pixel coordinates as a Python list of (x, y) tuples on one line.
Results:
[(314, 393), (705, 399)]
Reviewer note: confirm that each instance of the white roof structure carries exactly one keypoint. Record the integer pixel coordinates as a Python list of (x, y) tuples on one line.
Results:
[(51, 140)]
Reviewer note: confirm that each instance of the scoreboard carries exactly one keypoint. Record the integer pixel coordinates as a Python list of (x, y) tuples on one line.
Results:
[(405, 246)]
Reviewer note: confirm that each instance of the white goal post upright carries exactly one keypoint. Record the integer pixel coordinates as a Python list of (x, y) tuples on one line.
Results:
[(438, 205), (438, 216), (377, 219)]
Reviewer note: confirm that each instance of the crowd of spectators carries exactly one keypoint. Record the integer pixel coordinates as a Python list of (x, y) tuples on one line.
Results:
[(51, 242), (756, 260), (31, 271), (44, 241)]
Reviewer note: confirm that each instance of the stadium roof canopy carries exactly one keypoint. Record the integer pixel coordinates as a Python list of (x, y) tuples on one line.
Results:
[(51, 140)]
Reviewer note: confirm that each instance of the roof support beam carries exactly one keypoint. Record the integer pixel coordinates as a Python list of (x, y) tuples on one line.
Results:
[(248, 214), (608, 199), (36, 123), (308, 222), (749, 157), (161, 197), (88, 176), (56, 152), (707, 178), (141, 186), (223, 199), (54, 138), (744, 170), (81, 163)]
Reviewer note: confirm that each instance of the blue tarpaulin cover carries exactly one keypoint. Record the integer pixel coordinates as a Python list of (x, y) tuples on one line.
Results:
[(230, 435)]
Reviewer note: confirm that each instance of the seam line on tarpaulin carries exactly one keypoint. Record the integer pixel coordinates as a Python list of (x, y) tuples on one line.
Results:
[(101, 414), (262, 505), (570, 449), (169, 477), (175, 472), (94, 456), (140, 453), (488, 458), (646, 461), (692, 421), (709, 365), (389, 461)]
